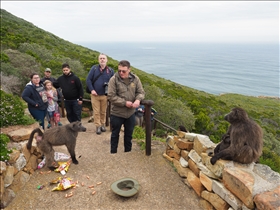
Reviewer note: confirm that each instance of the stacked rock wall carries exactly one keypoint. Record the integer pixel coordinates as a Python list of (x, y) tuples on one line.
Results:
[(227, 184), (16, 172)]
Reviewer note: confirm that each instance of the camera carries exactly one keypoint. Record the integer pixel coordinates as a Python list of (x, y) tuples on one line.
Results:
[(105, 85)]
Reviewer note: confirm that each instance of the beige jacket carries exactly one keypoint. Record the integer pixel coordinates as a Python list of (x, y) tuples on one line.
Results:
[(119, 93)]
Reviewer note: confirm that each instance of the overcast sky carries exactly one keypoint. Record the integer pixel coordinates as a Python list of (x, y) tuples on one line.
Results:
[(150, 21)]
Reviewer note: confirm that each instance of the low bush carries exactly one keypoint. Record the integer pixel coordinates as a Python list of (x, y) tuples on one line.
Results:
[(4, 151), (12, 111)]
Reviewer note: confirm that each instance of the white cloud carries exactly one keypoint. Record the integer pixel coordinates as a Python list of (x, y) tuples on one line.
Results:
[(210, 21)]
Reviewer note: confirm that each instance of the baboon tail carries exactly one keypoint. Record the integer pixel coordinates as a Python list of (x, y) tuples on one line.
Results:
[(36, 130)]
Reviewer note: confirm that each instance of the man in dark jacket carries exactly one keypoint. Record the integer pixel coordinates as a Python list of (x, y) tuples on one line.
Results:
[(72, 90), (125, 92)]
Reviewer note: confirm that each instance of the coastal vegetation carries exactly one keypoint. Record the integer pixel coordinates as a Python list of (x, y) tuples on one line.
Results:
[(25, 48)]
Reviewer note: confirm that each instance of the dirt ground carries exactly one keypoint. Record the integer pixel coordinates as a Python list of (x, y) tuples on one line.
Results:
[(160, 186)]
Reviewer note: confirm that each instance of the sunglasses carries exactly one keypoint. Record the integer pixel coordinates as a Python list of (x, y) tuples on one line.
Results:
[(122, 71)]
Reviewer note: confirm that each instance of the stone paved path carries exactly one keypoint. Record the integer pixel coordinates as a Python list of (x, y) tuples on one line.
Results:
[(161, 187)]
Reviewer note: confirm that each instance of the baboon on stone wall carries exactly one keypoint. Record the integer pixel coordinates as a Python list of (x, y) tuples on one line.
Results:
[(245, 138), (224, 143), (183, 128), (57, 136)]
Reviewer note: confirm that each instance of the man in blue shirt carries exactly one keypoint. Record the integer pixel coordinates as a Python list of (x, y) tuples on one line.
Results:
[(100, 74)]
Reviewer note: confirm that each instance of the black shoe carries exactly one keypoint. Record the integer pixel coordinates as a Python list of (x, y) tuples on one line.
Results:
[(98, 130), (103, 129)]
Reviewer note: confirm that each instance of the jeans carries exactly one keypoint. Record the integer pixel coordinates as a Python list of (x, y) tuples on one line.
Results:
[(39, 115), (116, 123), (73, 110)]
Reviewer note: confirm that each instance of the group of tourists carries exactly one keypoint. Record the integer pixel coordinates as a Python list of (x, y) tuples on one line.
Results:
[(123, 89)]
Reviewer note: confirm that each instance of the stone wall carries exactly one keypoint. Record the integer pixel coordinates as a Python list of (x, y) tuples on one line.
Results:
[(226, 185), (22, 164)]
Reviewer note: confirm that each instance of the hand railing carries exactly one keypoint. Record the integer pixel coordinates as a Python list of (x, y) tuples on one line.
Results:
[(148, 107)]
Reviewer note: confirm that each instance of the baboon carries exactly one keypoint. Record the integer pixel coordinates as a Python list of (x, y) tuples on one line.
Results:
[(183, 128), (57, 136), (224, 143), (245, 138)]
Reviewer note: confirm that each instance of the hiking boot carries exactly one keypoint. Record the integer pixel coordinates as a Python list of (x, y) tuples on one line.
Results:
[(98, 130), (59, 124), (103, 129)]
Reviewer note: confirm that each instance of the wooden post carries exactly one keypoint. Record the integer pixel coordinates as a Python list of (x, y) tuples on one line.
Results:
[(108, 113), (62, 107), (148, 104)]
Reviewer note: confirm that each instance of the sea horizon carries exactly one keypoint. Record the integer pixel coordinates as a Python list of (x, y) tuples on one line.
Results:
[(217, 68)]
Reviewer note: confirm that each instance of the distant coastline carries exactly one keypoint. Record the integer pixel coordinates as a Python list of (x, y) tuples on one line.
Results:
[(247, 69)]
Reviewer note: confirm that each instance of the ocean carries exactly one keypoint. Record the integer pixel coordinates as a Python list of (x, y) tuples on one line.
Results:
[(247, 69)]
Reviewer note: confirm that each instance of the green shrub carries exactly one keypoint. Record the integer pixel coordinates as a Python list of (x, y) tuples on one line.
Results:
[(12, 111), (271, 159), (4, 151), (138, 133), (171, 111), (4, 58)]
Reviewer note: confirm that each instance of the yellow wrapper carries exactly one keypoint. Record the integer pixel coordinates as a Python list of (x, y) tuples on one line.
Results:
[(64, 184), (63, 166), (55, 181)]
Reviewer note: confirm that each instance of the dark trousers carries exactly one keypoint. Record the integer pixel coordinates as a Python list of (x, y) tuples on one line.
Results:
[(116, 123), (73, 109), (39, 115)]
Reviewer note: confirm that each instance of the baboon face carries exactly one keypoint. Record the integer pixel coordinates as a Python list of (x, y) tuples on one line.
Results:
[(236, 115), (77, 126)]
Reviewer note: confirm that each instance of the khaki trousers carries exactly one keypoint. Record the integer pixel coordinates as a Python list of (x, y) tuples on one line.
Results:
[(99, 107)]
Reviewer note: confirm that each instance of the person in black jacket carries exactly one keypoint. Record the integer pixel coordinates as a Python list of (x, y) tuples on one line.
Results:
[(72, 90), (35, 96)]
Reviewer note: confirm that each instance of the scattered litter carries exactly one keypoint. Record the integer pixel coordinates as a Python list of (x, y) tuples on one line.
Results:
[(93, 192), (63, 183), (69, 195), (55, 181), (98, 183), (42, 163), (59, 156), (63, 167), (40, 187), (47, 172)]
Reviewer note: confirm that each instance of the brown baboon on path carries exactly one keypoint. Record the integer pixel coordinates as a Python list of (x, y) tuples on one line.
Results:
[(57, 136), (245, 138)]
